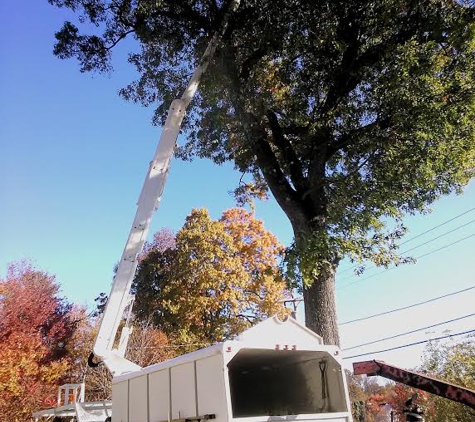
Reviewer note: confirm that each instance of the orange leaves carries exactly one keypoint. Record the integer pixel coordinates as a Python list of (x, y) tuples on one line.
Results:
[(221, 277), (34, 326)]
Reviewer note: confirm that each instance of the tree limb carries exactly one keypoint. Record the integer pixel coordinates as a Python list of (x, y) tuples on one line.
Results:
[(345, 139), (288, 154)]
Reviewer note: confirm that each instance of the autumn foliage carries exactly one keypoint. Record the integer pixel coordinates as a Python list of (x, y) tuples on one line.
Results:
[(35, 327), (214, 280)]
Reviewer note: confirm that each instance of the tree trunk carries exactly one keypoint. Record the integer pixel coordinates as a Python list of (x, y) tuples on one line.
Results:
[(320, 307)]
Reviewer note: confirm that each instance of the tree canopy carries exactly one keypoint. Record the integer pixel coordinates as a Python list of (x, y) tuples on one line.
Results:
[(35, 329), (353, 113), (216, 279), (453, 362)]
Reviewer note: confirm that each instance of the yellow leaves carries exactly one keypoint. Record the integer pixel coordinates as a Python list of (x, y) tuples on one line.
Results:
[(268, 78), (224, 274)]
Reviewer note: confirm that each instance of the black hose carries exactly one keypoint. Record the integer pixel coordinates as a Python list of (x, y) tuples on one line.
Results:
[(91, 363)]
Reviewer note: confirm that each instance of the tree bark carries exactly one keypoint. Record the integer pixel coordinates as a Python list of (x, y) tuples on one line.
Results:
[(320, 307)]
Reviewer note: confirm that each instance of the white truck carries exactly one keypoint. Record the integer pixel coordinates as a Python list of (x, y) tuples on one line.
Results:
[(275, 371)]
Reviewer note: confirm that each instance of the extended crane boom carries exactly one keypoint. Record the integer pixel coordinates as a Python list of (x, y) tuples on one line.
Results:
[(119, 298), (413, 379)]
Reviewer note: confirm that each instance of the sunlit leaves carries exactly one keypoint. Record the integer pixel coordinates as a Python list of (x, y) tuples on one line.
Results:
[(35, 328), (219, 277), (354, 113)]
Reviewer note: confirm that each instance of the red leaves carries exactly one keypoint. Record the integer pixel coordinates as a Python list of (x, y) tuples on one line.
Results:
[(34, 327)]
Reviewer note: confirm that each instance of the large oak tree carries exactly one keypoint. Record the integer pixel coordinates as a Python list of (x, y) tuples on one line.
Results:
[(353, 113)]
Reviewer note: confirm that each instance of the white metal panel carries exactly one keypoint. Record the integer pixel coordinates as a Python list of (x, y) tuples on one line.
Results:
[(120, 400), (286, 334), (210, 374), (180, 360), (138, 399), (159, 395), (183, 391)]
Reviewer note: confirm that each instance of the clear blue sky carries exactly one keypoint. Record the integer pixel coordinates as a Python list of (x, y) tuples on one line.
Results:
[(72, 160)]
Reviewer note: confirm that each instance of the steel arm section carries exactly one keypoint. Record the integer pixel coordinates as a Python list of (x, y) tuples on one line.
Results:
[(423, 382), (149, 199)]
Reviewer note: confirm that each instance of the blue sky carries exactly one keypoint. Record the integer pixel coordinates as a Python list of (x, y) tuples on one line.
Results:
[(72, 160)]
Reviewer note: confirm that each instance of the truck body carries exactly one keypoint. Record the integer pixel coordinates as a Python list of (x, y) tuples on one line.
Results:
[(276, 370)]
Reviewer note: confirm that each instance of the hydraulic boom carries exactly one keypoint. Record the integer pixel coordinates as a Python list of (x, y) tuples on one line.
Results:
[(423, 382), (119, 298)]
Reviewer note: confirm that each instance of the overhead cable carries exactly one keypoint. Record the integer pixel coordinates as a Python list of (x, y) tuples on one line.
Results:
[(420, 245), (417, 257), (410, 344), (410, 332), (408, 306), (420, 235)]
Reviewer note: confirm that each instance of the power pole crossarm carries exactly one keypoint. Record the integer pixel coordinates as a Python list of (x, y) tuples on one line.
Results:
[(413, 379)]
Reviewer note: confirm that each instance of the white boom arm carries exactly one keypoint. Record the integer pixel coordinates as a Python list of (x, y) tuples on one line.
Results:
[(149, 199)]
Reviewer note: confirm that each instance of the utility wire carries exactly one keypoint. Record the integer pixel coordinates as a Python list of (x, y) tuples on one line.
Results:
[(408, 307), (410, 332), (417, 257), (410, 344), (421, 244), (436, 227), (420, 234), (438, 237)]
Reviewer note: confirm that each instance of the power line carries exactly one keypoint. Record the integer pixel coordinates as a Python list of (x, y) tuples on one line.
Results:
[(422, 244), (410, 332), (421, 234), (410, 344), (436, 227), (446, 246), (417, 257), (408, 307), (438, 237)]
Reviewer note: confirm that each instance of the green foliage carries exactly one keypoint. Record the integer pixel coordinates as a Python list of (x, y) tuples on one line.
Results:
[(353, 113), (454, 363), (366, 109), (217, 279)]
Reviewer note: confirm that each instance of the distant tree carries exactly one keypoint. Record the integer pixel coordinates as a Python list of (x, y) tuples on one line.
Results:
[(162, 240), (220, 277), (35, 330), (453, 362), (399, 394), (147, 345), (368, 398), (352, 113)]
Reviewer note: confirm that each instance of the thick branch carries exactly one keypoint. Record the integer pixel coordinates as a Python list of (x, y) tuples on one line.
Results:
[(272, 172), (251, 61), (119, 38), (346, 138), (287, 152), (349, 74)]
